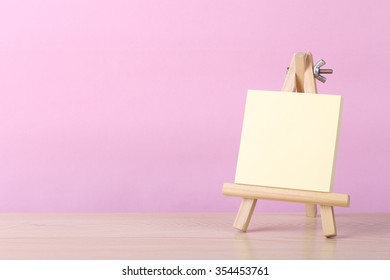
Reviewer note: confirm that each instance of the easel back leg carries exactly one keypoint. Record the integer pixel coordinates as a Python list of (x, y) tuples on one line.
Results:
[(311, 210)]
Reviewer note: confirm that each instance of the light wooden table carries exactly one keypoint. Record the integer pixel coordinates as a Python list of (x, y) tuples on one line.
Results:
[(190, 236)]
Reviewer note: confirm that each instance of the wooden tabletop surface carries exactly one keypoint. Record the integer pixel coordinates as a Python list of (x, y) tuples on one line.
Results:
[(190, 236)]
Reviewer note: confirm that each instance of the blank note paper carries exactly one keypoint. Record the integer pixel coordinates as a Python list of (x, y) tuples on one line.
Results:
[(289, 140)]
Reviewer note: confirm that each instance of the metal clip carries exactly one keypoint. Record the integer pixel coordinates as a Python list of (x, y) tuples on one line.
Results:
[(318, 71)]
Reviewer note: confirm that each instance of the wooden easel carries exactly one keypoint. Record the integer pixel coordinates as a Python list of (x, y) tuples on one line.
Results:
[(300, 78)]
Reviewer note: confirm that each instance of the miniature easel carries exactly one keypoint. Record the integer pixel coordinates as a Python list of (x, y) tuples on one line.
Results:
[(300, 78)]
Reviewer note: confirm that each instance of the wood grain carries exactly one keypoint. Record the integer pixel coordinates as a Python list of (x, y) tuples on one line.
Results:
[(328, 221), (301, 196), (190, 236), (300, 67), (244, 214), (311, 210), (310, 85)]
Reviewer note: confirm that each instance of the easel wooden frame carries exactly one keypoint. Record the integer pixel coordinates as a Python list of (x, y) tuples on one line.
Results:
[(300, 78)]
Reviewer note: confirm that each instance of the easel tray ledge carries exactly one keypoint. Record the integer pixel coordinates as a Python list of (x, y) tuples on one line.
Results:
[(290, 195)]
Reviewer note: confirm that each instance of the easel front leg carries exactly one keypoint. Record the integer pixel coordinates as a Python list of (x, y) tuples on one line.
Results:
[(244, 214), (328, 221), (311, 210)]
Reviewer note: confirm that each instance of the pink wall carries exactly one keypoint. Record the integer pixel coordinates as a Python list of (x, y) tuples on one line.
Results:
[(138, 105)]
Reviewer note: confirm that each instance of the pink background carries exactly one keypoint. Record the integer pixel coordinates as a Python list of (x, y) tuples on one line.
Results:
[(138, 105)]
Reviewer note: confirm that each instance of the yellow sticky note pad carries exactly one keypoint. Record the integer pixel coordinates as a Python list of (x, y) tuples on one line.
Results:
[(289, 140)]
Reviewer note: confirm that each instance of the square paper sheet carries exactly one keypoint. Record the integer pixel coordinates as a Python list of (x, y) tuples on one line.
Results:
[(289, 140)]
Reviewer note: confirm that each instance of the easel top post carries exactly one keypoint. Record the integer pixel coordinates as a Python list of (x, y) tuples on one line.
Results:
[(300, 76)]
